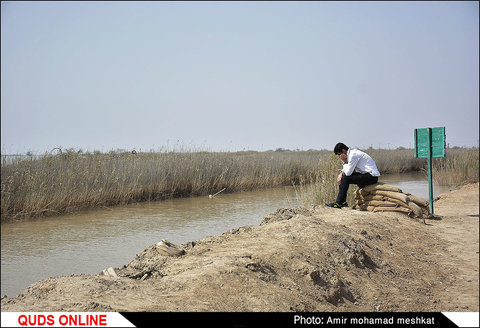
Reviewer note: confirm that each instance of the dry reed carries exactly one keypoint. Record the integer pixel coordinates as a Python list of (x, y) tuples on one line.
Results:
[(70, 181), (459, 167)]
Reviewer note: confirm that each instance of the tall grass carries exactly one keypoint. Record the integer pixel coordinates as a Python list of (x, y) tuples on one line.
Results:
[(396, 161), (66, 182), (321, 186), (459, 167)]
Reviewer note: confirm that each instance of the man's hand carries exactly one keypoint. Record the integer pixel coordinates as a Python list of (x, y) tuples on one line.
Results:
[(339, 178)]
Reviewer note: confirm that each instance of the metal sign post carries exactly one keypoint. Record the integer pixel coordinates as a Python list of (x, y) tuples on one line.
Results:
[(429, 143)]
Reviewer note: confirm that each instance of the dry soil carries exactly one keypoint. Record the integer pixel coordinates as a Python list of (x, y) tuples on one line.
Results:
[(319, 259)]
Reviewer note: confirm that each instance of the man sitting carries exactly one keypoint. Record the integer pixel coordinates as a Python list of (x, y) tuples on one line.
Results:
[(358, 168)]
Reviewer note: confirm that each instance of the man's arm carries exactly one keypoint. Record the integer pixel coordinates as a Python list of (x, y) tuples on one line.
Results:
[(349, 167)]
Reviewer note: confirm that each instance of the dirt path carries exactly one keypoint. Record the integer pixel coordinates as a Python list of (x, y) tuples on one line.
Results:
[(459, 228), (322, 259)]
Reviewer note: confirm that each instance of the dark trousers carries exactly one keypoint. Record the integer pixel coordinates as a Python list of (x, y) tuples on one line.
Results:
[(360, 179)]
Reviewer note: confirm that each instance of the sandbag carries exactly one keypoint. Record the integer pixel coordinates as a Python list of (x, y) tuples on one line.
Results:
[(386, 198), (167, 248), (381, 186), (391, 209), (418, 200), (395, 195), (361, 193), (380, 198), (379, 203), (370, 197), (416, 209), (396, 201)]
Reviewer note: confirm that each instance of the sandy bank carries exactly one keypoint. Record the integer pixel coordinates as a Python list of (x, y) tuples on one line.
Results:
[(323, 259)]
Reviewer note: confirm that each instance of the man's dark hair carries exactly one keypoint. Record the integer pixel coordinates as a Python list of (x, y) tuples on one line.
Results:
[(339, 147)]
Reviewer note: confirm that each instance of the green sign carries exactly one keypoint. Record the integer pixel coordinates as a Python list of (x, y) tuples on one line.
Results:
[(429, 143), (430, 140)]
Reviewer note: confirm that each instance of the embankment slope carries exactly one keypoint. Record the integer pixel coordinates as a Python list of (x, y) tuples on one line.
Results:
[(297, 260)]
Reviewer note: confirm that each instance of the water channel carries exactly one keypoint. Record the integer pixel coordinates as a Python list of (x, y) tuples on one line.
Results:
[(93, 240)]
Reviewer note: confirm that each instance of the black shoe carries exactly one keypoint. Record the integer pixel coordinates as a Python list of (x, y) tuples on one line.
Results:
[(336, 205)]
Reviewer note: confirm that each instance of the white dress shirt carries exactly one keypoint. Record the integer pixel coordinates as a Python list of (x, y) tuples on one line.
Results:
[(360, 162)]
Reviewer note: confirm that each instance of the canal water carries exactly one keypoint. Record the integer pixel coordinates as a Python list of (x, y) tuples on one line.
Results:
[(93, 240)]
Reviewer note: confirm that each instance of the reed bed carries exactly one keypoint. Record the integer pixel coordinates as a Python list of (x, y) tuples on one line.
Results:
[(321, 186), (459, 167), (70, 181), (396, 161)]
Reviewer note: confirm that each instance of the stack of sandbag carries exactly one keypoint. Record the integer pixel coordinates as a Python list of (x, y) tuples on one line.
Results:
[(380, 197)]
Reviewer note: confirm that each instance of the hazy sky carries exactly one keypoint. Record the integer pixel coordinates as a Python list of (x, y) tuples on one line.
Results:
[(236, 75)]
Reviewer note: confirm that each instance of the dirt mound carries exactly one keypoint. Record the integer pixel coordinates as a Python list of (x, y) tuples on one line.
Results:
[(320, 259)]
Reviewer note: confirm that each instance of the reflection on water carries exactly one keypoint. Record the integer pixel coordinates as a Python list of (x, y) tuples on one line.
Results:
[(414, 183), (91, 241)]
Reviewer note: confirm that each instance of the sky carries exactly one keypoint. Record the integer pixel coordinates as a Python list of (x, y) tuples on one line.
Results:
[(232, 76)]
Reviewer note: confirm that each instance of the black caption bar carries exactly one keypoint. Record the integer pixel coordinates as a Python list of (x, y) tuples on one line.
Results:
[(287, 319)]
